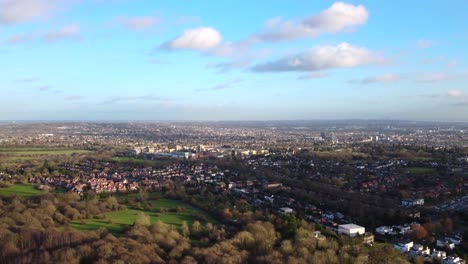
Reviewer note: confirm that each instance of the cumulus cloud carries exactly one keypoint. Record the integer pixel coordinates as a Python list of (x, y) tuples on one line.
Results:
[(337, 18), (233, 49), (386, 78), (67, 32), (18, 11), (343, 55), (203, 38), (138, 23)]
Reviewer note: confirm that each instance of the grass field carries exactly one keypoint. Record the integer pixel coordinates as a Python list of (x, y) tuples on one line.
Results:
[(116, 222), (26, 190), (420, 170), (134, 161), (12, 154)]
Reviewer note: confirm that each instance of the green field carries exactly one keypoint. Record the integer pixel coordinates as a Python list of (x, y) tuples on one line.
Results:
[(116, 222), (134, 161), (420, 170), (12, 154), (26, 190)]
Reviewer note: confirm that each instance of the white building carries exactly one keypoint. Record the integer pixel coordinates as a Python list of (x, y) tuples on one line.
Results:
[(419, 250), (438, 254), (404, 246), (445, 243), (351, 230), (286, 210), (453, 260)]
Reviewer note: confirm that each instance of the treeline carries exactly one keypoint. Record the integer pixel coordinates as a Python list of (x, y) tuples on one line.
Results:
[(36, 231), (162, 243)]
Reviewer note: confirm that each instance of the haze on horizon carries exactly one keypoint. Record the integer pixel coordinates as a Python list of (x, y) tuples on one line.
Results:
[(220, 60)]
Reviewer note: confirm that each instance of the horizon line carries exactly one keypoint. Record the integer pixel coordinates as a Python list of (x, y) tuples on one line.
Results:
[(223, 120)]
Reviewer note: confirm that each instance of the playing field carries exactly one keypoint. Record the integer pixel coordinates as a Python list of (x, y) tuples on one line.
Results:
[(13, 154), (116, 222), (420, 170), (26, 190)]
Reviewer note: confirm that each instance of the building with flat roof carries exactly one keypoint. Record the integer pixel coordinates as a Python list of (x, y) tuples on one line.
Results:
[(351, 230)]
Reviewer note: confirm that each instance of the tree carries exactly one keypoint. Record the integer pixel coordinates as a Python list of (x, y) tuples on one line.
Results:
[(142, 194), (142, 220), (185, 229), (227, 214), (196, 228), (112, 203), (264, 235), (419, 232), (243, 206), (447, 224)]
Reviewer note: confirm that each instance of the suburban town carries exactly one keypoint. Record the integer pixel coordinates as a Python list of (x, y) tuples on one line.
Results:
[(233, 132), (375, 185)]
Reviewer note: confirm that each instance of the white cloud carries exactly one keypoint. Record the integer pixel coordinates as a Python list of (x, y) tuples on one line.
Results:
[(343, 55), (337, 18), (454, 93), (386, 78), (138, 23), (229, 49), (195, 39), (67, 32), (18, 11)]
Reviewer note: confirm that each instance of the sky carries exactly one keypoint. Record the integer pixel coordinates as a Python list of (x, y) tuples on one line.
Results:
[(233, 60)]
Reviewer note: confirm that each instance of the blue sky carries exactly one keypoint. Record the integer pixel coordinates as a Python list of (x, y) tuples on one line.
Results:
[(233, 60)]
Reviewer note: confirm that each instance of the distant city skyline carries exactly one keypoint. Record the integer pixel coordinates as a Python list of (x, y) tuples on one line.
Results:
[(233, 60)]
